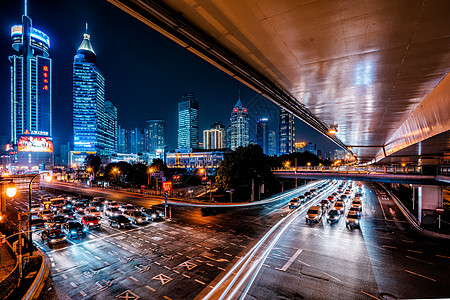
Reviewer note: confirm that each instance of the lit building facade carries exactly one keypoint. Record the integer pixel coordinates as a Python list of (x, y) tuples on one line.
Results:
[(121, 140), (135, 141), (272, 143), (188, 122), (94, 119), (154, 136), (287, 132), (195, 159), (239, 135), (31, 97), (300, 147), (215, 137), (262, 134)]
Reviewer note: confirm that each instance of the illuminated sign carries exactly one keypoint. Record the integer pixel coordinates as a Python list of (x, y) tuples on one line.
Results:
[(17, 30), (167, 186), (29, 143)]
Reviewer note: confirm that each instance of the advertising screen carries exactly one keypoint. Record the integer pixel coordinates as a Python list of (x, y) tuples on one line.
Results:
[(29, 143)]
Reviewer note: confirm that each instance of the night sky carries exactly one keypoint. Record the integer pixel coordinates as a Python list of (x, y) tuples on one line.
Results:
[(145, 72)]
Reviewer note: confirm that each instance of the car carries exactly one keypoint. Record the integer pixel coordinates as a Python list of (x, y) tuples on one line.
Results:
[(37, 224), (53, 236), (357, 202), (119, 221), (307, 194), (136, 217), (113, 204), (153, 214), (324, 204), (112, 211), (80, 207), (129, 207), (96, 204), (339, 206), (93, 212), (45, 214), (352, 220), (333, 216), (313, 192), (67, 213), (35, 208), (314, 214), (331, 198), (356, 209), (302, 199), (90, 222), (294, 203), (73, 229), (57, 220)]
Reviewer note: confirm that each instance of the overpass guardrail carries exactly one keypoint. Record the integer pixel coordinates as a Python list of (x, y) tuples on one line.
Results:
[(385, 169)]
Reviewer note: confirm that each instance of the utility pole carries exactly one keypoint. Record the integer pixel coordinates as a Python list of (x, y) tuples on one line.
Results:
[(253, 190)]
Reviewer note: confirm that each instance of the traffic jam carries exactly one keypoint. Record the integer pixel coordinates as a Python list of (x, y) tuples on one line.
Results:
[(346, 202), (58, 218)]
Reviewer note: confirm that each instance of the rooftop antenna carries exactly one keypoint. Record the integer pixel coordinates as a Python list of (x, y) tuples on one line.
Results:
[(239, 94), (86, 26), (26, 12)]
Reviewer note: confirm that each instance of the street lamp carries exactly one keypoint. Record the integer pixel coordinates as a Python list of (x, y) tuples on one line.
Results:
[(231, 194), (48, 178), (10, 192)]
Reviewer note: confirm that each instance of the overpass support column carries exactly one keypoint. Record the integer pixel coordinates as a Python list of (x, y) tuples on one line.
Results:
[(430, 197)]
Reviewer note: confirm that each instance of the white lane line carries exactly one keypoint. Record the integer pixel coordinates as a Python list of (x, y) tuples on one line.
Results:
[(73, 284), (392, 247), (64, 276), (201, 282), (407, 241), (419, 260), (132, 278), (150, 288), (442, 256), (372, 296), (97, 257), (187, 276), (415, 251), (382, 209), (121, 271), (83, 293), (176, 271), (291, 260), (221, 269), (209, 264), (420, 275), (332, 277), (228, 254)]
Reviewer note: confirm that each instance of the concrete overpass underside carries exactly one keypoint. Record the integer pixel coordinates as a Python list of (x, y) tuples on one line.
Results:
[(376, 69)]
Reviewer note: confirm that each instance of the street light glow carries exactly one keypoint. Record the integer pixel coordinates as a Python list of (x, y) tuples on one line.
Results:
[(11, 190), (48, 178)]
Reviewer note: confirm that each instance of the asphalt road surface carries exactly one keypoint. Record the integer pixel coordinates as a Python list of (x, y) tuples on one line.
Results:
[(182, 258)]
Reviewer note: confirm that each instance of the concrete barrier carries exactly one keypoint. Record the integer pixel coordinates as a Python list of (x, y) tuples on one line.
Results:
[(39, 282)]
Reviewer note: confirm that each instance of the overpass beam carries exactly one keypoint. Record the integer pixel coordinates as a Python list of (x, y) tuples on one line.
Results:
[(430, 197)]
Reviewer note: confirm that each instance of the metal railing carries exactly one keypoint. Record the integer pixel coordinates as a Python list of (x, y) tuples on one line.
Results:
[(442, 170)]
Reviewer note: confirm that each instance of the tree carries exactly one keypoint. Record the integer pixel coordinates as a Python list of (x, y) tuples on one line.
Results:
[(94, 162)]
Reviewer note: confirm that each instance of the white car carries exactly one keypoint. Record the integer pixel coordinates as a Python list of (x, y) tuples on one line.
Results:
[(93, 212), (129, 207), (112, 204), (112, 211), (136, 217)]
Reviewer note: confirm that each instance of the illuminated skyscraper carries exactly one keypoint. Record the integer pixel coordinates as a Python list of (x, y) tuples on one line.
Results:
[(188, 122), (214, 138), (94, 119), (31, 95), (272, 143), (262, 134), (287, 132), (239, 126), (154, 136)]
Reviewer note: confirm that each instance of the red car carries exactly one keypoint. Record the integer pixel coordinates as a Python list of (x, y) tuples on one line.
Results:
[(90, 222)]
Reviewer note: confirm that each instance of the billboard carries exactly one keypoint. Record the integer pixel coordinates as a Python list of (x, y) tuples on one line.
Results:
[(30, 143)]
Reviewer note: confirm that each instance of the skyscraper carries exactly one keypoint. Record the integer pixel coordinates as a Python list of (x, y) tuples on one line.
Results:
[(262, 134), (136, 141), (272, 143), (31, 81), (214, 138), (121, 140), (239, 126), (31, 95), (154, 136), (188, 122), (287, 132), (94, 119)]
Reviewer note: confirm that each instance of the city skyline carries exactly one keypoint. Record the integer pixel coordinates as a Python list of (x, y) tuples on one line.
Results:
[(150, 80)]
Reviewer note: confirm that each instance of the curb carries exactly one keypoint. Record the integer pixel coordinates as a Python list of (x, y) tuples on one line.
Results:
[(39, 282), (412, 219)]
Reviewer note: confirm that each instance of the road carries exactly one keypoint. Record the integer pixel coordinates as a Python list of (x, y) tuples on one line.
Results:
[(186, 257)]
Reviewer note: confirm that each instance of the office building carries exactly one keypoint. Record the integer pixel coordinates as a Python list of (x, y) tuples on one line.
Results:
[(300, 147), (215, 137), (64, 151), (311, 148), (136, 141), (239, 126), (154, 136), (287, 132), (94, 119), (31, 96), (188, 122), (272, 143), (209, 159), (121, 140), (262, 134)]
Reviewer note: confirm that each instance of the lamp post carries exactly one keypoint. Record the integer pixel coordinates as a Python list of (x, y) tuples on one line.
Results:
[(231, 194), (10, 191), (48, 178)]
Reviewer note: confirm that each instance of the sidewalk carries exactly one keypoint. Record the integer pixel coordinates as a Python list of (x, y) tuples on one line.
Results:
[(7, 262)]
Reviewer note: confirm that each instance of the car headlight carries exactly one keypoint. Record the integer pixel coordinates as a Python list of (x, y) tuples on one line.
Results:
[(91, 224), (73, 232), (122, 224), (153, 215)]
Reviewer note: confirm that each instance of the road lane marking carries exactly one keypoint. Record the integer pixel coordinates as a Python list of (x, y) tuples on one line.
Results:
[(150, 288), (332, 277), (187, 276), (167, 298), (134, 279), (211, 265), (83, 293), (176, 271), (97, 257), (201, 282), (167, 267), (415, 251), (420, 275), (221, 269), (228, 254), (442, 256), (73, 284), (370, 295), (382, 209), (407, 241), (419, 260), (392, 247), (64, 276), (291, 260), (121, 271)]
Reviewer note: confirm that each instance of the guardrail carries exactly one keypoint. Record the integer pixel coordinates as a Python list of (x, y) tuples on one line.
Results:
[(9, 283), (385, 169), (38, 284)]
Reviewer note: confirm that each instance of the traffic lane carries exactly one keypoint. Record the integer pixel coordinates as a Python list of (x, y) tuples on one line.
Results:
[(316, 261), (405, 264)]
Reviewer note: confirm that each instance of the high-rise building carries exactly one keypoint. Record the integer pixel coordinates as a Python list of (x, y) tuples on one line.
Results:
[(121, 140), (31, 96), (272, 143), (228, 137), (300, 147), (214, 138), (239, 126), (154, 136), (262, 134), (188, 122), (64, 151), (311, 148), (287, 132), (136, 141), (94, 119)]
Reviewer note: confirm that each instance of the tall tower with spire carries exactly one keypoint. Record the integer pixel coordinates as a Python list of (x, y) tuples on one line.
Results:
[(94, 118), (239, 126), (31, 94)]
